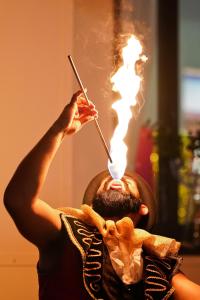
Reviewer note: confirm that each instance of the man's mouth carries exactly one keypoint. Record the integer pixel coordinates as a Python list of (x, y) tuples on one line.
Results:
[(116, 184)]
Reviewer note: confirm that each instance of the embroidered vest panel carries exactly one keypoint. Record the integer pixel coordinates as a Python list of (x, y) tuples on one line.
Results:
[(89, 243), (157, 276), (99, 278)]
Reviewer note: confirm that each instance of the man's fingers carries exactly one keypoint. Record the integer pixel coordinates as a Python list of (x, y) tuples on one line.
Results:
[(75, 97), (79, 97), (87, 110), (81, 100), (85, 90), (79, 112), (87, 118), (84, 103)]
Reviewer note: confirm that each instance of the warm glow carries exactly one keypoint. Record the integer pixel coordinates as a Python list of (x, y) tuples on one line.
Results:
[(127, 83)]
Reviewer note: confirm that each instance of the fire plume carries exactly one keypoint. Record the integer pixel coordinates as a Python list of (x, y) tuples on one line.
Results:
[(127, 83)]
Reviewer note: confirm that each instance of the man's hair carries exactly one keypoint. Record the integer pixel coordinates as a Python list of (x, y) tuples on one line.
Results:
[(113, 203), (145, 192)]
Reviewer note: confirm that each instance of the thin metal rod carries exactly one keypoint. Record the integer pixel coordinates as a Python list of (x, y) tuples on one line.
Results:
[(86, 97)]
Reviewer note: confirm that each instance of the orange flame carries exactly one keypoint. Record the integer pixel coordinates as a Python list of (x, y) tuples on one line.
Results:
[(127, 83)]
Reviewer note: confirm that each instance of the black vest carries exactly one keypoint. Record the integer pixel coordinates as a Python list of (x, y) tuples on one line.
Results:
[(99, 278)]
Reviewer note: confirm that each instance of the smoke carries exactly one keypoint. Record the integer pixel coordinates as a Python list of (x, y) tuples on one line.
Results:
[(99, 38)]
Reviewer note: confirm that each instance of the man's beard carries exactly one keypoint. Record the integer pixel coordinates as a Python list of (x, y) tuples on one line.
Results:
[(113, 203)]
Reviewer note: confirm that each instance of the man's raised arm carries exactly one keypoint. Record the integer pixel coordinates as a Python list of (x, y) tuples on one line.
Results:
[(35, 219)]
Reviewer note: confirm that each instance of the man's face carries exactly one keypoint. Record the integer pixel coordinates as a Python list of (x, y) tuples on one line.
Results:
[(117, 198), (126, 185)]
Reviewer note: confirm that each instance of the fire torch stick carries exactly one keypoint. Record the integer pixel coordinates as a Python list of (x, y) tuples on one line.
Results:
[(86, 97)]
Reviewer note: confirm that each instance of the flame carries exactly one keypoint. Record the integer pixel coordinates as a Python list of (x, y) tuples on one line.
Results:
[(127, 83)]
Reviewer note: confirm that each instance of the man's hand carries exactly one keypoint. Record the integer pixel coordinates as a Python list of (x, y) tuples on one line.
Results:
[(76, 114)]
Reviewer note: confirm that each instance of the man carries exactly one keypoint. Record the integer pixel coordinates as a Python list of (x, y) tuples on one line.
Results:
[(95, 252)]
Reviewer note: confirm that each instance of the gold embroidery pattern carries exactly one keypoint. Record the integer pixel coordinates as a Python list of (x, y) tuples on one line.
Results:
[(94, 285), (92, 268), (96, 253), (94, 265), (157, 285), (89, 243)]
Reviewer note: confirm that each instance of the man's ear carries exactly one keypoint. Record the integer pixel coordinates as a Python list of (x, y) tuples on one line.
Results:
[(143, 210)]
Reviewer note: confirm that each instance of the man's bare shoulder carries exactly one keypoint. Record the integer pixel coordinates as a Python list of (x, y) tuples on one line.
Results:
[(71, 211), (185, 289)]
